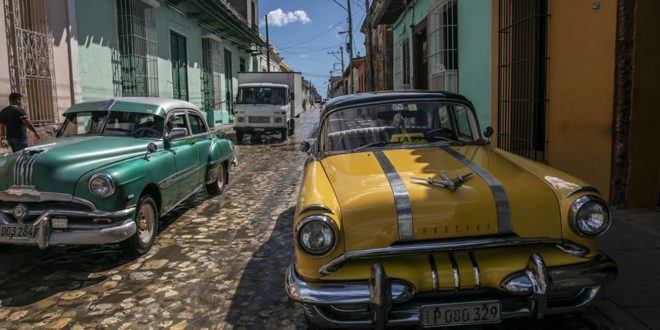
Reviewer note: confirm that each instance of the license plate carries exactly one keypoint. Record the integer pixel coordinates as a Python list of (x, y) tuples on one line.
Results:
[(460, 314), (18, 231)]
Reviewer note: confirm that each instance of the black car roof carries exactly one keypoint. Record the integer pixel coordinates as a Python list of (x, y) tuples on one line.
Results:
[(398, 96)]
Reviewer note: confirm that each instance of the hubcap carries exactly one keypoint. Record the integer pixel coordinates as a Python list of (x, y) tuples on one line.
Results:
[(146, 223)]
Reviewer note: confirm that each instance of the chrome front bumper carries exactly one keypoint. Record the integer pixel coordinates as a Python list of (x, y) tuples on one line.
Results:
[(534, 292), (78, 235)]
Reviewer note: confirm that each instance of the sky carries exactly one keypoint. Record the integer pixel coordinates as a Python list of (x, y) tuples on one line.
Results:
[(304, 31)]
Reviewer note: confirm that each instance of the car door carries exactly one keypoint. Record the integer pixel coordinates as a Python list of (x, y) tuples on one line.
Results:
[(201, 137), (186, 156)]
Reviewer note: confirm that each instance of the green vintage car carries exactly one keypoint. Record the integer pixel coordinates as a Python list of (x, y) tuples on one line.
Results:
[(115, 167)]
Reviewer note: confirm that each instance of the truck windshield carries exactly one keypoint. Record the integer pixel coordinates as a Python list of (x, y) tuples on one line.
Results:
[(262, 95)]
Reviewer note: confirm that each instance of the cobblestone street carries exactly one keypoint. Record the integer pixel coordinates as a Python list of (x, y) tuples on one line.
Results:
[(217, 262)]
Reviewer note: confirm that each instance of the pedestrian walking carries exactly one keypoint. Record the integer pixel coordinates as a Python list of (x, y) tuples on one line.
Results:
[(16, 120)]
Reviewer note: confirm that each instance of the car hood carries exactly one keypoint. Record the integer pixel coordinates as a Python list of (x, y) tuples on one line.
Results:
[(370, 217), (56, 166)]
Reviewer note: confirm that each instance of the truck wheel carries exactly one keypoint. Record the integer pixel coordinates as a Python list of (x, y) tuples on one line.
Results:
[(146, 220), (218, 186), (284, 133), (239, 137)]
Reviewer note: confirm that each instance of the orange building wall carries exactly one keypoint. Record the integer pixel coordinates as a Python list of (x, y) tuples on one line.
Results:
[(581, 49)]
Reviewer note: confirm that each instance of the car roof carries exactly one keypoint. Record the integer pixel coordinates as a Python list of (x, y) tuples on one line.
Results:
[(391, 96), (154, 105)]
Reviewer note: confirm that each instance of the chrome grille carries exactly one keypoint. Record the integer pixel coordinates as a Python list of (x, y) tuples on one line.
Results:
[(258, 119)]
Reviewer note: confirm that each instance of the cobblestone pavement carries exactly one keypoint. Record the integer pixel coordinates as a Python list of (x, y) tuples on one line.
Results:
[(217, 262)]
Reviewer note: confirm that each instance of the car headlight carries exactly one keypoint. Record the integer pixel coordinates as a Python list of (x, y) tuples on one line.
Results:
[(101, 185), (590, 216), (317, 235)]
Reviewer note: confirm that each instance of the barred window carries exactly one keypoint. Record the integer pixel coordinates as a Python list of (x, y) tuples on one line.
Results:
[(443, 46), (402, 63), (137, 46), (212, 75)]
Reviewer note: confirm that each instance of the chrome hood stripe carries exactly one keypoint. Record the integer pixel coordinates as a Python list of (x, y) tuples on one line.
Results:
[(401, 197), (496, 188)]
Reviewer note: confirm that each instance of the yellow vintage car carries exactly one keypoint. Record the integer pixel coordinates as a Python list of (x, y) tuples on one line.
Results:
[(407, 216)]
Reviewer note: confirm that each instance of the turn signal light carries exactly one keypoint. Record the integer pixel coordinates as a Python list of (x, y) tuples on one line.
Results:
[(59, 223), (102, 221)]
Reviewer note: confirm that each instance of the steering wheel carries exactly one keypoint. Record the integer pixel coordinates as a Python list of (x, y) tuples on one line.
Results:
[(434, 133), (140, 132)]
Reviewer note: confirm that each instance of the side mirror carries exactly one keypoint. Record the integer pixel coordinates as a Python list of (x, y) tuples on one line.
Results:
[(178, 132), (54, 129), (305, 146), (488, 132), (151, 148)]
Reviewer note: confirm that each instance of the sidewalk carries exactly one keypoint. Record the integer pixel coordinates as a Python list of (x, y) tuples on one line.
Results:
[(632, 301)]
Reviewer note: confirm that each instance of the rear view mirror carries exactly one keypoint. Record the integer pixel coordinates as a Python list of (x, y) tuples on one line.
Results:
[(488, 132), (305, 146)]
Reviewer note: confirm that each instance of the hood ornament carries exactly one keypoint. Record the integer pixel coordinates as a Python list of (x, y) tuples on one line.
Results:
[(444, 181)]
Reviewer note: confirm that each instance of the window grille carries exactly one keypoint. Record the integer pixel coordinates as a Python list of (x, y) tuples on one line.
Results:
[(212, 75), (402, 63), (30, 51), (522, 75), (443, 46), (137, 46)]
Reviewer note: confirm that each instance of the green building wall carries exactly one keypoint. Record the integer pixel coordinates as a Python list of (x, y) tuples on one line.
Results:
[(474, 55), (474, 48), (98, 53)]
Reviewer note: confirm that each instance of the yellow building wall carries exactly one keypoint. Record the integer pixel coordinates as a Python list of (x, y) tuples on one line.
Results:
[(581, 50)]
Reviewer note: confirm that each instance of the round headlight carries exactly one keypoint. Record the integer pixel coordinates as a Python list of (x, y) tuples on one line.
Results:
[(590, 216), (316, 235), (101, 185)]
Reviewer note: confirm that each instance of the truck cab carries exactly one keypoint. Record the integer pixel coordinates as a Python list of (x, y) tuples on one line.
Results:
[(263, 108)]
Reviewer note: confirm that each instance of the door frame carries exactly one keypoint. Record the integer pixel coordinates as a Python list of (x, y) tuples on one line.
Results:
[(420, 32)]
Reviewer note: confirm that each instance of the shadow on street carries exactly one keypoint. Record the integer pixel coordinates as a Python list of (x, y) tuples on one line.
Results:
[(260, 300)]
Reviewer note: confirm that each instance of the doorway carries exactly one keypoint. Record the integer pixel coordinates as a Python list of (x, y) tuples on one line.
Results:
[(420, 57)]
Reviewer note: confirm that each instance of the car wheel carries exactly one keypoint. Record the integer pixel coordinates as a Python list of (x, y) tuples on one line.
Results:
[(218, 185), (146, 220)]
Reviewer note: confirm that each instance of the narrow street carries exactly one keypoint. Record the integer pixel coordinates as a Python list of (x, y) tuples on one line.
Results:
[(217, 263)]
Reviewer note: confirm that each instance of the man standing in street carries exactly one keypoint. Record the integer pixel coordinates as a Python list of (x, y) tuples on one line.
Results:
[(15, 120)]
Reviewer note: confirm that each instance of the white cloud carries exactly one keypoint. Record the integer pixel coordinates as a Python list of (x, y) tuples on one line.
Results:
[(303, 55), (278, 17)]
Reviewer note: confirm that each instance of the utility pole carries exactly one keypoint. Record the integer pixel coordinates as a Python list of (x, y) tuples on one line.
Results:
[(267, 46), (350, 45), (340, 53), (369, 70)]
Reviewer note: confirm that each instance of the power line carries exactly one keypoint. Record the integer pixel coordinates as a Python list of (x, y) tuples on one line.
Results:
[(294, 43)]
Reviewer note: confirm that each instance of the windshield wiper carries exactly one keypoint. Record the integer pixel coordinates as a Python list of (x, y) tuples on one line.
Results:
[(374, 144)]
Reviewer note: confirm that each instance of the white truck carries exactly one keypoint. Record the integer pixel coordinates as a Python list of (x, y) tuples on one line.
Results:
[(268, 103)]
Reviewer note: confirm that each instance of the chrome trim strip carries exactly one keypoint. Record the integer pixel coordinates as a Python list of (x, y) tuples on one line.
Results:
[(433, 247), (178, 176), (475, 269), (434, 273), (582, 189), (499, 194), (455, 270), (401, 197), (28, 194), (317, 207), (323, 293)]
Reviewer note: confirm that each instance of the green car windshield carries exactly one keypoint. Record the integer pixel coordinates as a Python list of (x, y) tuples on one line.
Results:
[(387, 124), (113, 123)]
